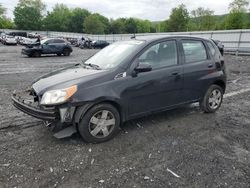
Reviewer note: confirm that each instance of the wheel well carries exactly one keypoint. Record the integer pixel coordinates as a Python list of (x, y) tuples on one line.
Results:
[(221, 84), (116, 105), (66, 48), (82, 110)]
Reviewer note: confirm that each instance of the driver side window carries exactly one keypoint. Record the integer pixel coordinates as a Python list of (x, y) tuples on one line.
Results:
[(160, 55)]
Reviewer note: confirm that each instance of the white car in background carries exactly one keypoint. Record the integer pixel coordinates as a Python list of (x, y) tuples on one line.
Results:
[(10, 40), (26, 41)]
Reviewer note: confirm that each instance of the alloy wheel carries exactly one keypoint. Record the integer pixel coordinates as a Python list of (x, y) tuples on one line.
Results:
[(102, 123)]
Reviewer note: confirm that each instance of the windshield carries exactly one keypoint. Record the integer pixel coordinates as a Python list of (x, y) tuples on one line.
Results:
[(112, 55), (43, 41)]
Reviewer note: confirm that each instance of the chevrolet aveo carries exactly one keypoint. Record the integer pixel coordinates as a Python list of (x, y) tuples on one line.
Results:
[(127, 80)]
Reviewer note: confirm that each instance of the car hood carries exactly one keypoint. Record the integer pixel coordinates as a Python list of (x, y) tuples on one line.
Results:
[(64, 78)]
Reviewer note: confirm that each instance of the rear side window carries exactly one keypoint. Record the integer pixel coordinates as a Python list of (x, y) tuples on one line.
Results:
[(194, 51), (211, 48)]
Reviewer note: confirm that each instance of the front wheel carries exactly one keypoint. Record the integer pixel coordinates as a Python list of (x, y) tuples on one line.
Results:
[(36, 54), (99, 124), (212, 99)]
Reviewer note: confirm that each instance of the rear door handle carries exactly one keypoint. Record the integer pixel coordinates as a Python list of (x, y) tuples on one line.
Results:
[(210, 65)]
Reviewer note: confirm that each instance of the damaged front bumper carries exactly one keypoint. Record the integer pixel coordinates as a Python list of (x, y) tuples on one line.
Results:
[(59, 118)]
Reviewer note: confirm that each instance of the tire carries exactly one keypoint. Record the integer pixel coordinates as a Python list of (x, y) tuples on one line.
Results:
[(66, 52), (36, 54), (212, 99), (92, 126), (58, 54)]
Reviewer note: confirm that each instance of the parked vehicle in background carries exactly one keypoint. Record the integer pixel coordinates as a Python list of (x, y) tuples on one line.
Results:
[(27, 41), (33, 35), (99, 44), (48, 46), (18, 33), (219, 45), (2, 37), (72, 41), (9, 40), (127, 80)]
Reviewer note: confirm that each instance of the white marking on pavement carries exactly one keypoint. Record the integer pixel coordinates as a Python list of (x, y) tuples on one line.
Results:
[(236, 92), (173, 173)]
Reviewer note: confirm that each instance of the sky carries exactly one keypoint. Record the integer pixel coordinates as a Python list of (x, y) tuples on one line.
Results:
[(153, 10)]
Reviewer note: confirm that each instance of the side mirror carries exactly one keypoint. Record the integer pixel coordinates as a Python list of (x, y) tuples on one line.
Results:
[(143, 67)]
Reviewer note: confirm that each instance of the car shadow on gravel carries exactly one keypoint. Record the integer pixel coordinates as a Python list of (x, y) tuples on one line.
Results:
[(147, 122)]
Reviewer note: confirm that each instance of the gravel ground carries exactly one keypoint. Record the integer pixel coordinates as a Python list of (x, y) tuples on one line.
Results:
[(179, 148)]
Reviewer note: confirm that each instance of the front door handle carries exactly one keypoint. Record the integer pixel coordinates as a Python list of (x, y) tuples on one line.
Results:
[(175, 73)]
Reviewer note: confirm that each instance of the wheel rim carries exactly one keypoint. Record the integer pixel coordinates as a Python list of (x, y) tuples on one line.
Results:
[(215, 99), (101, 124)]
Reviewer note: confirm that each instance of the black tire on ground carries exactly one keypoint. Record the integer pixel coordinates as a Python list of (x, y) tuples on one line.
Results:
[(100, 123), (212, 99), (58, 54), (36, 54), (66, 52)]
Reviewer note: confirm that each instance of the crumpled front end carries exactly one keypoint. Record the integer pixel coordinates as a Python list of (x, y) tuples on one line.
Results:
[(58, 118)]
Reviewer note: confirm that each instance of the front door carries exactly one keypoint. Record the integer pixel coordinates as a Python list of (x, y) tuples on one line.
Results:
[(159, 88)]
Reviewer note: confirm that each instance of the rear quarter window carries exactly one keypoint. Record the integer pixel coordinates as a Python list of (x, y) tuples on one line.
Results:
[(211, 48), (194, 51)]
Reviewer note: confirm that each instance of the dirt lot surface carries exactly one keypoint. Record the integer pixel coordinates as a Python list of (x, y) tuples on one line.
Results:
[(178, 148)]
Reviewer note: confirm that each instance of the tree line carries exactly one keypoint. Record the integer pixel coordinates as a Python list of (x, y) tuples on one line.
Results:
[(32, 15)]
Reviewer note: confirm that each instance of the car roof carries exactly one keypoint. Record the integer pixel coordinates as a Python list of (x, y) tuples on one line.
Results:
[(156, 38)]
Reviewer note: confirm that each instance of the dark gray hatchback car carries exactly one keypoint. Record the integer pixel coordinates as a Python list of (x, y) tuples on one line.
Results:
[(127, 80)]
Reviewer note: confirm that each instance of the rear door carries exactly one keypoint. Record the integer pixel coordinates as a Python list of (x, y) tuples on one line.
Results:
[(48, 47), (58, 45), (159, 88), (197, 66)]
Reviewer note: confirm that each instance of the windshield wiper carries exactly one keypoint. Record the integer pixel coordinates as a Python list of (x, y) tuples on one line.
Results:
[(97, 67)]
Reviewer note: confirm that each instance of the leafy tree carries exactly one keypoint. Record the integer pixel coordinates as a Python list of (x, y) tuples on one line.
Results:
[(59, 19), (130, 25), (178, 19), (161, 26), (104, 21), (28, 14), (77, 19), (143, 26), (235, 19), (2, 10), (118, 26), (239, 5), (5, 23), (202, 19), (94, 25)]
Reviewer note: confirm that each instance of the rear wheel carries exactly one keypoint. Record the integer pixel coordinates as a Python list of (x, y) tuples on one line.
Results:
[(212, 99), (66, 52), (100, 123)]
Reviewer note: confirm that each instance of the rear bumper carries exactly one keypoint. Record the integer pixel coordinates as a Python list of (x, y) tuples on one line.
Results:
[(21, 104)]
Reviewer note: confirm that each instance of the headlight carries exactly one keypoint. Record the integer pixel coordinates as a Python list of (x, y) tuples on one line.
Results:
[(58, 96)]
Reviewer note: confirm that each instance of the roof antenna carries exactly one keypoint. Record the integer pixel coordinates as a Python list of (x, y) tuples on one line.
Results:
[(133, 37)]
